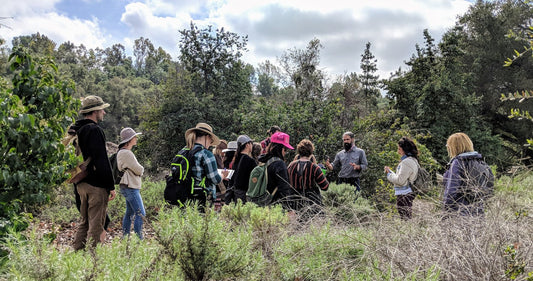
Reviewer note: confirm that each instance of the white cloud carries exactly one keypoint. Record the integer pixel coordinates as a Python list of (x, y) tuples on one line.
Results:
[(272, 26), (57, 28)]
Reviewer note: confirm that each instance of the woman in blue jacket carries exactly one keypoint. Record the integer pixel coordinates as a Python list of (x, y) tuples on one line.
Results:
[(468, 180)]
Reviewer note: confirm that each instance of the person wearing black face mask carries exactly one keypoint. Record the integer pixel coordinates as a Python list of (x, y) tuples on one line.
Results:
[(351, 161)]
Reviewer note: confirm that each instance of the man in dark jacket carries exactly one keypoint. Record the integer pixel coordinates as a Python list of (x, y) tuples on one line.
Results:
[(98, 187)]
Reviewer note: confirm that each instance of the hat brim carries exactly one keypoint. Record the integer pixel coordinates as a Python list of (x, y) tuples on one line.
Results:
[(127, 140), (288, 146), (228, 149), (105, 105), (216, 140)]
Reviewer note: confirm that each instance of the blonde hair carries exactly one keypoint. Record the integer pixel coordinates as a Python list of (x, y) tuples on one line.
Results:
[(459, 143)]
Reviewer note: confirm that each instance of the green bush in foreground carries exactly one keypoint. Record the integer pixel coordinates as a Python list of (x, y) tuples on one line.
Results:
[(204, 247)]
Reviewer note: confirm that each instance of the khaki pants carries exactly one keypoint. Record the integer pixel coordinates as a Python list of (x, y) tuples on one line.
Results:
[(93, 213)]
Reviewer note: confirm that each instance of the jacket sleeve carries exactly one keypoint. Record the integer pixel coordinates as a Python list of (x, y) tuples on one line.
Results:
[(406, 171), (453, 183), (319, 177), (127, 160)]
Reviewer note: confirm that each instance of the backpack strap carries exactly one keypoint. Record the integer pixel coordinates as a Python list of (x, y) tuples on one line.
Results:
[(417, 171), (270, 161)]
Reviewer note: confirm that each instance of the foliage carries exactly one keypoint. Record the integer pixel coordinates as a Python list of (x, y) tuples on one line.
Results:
[(369, 80), (344, 205), (315, 254), (378, 135), (374, 246), (33, 115), (203, 247)]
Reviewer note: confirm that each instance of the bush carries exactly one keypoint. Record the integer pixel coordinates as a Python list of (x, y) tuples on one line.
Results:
[(341, 202), (321, 253), (203, 247)]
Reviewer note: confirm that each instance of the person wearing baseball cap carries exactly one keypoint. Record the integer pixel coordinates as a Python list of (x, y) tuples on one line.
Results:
[(204, 169), (98, 187), (244, 164), (278, 178)]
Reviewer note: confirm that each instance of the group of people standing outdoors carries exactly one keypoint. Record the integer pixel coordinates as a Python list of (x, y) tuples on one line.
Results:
[(297, 186)]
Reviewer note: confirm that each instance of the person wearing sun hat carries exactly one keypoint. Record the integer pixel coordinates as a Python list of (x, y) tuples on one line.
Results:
[(130, 183), (204, 169), (98, 187), (278, 177)]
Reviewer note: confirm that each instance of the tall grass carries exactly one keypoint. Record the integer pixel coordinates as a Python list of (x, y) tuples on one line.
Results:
[(349, 240)]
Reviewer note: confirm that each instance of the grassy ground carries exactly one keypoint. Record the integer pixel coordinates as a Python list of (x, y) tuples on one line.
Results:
[(350, 241)]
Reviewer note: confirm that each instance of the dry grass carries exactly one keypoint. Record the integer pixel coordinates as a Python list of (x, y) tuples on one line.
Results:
[(494, 247)]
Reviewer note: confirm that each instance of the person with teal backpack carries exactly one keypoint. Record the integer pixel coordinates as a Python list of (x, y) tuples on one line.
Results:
[(269, 181)]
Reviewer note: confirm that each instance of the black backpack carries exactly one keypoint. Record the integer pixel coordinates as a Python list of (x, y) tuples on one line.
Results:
[(117, 175), (180, 183)]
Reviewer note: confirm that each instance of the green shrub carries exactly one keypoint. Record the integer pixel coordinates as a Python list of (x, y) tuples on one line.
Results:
[(36, 259), (341, 202), (204, 247), (320, 253)]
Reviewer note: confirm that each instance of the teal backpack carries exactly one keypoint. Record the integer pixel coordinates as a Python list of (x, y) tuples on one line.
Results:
[(257, 185)]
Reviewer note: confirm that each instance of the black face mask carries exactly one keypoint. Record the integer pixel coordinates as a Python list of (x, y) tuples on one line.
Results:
[(347, 146)]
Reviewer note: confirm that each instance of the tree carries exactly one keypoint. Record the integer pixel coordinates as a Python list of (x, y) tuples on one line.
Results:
[(219, 79), (34, 115), (435, 95), (521, 108), (302, 67), (37, 44), (369, 80), (268, 78), (486, 43)]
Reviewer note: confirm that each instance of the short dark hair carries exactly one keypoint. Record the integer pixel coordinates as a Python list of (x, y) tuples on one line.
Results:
[(305, 148), (350, 134), (274, 129)]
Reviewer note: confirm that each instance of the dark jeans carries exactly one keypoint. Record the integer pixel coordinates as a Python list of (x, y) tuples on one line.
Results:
[(353, 181), (404, 204)]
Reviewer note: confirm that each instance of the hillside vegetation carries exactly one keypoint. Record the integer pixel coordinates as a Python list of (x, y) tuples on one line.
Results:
[(351, 241), (476, 80)]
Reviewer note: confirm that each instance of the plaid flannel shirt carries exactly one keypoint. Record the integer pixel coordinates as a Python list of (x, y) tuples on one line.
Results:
[(205, 168)]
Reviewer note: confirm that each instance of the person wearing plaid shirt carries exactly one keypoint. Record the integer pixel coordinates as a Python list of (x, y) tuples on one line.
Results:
[(205, 170)]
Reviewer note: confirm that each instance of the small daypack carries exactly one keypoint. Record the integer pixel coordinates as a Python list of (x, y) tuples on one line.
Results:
[(180, 183), (478, 180), (257, 185), (117, 174), (422, 183)]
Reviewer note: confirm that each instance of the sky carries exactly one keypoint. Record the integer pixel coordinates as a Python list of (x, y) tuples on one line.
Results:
[(393, 27)]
